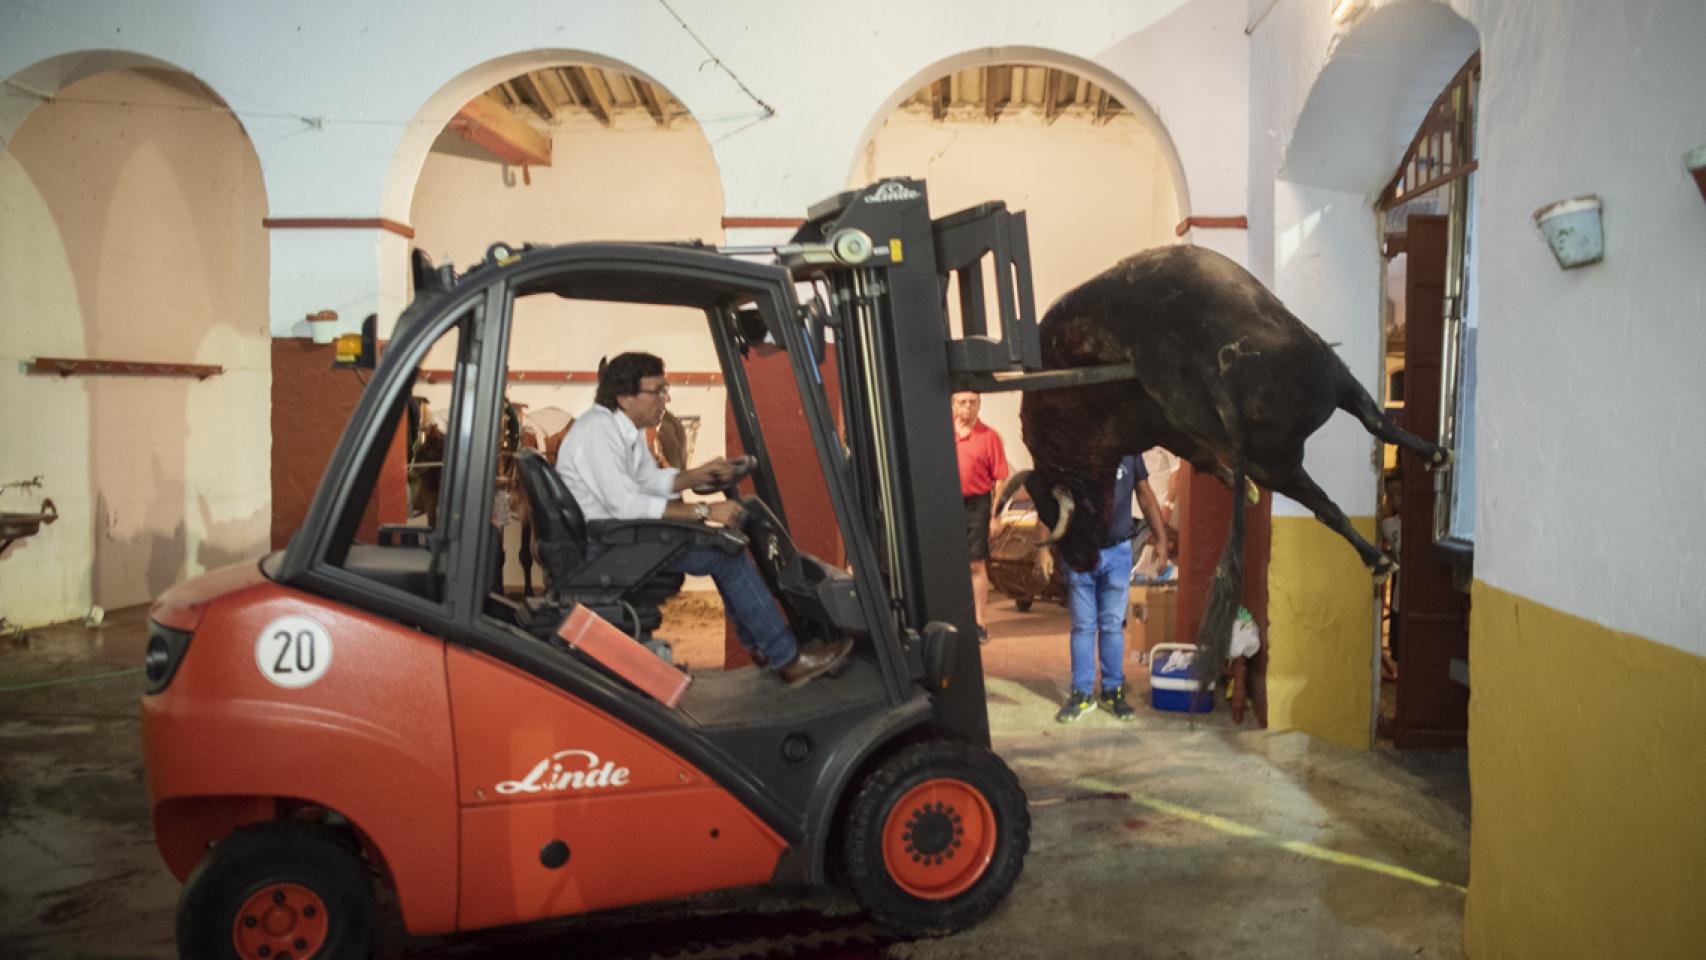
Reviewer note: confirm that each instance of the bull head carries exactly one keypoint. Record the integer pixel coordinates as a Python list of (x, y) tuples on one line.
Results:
[(1065, 510)]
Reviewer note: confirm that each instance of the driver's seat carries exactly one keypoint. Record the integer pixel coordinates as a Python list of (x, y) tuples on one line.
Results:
[(616, 568)]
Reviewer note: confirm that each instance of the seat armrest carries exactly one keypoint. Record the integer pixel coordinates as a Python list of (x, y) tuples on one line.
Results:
[(613, 533)]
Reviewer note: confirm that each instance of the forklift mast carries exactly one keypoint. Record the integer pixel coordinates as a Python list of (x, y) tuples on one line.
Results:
[(889, 269)]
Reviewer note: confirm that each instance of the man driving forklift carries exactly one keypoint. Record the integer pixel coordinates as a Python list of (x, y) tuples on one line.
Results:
[(612, 475)]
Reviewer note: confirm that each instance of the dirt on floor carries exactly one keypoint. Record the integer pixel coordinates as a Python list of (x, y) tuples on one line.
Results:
[(1172, 835)]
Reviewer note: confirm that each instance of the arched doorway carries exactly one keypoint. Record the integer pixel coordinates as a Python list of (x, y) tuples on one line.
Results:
[(1059, 138), (133, 233), (1382, 79), (563, 149)]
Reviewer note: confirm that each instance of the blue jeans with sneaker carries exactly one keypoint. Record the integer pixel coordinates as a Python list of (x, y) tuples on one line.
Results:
[(746, 600), (1096, 599)]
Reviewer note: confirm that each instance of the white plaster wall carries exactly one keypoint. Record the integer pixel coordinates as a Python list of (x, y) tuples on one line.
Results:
[(1328, 267), (1092, 194), (133, 233), (1587, 378), (1590, 379), (371, 84)]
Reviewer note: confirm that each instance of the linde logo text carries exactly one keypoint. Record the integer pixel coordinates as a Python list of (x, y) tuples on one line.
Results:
[(890, 192), (568, 770)]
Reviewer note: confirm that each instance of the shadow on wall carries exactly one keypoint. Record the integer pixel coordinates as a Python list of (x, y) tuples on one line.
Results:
[(229, 541), (139, 563)]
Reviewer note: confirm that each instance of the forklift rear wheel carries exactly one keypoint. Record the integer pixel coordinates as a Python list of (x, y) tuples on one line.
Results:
[(935, 838), (1023, 606), (286, 890)]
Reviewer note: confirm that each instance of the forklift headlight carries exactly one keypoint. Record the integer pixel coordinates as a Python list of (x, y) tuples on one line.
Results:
[(164, 652)]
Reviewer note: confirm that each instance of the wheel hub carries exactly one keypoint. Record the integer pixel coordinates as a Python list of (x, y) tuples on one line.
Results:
[(281, 921), (931, 831)]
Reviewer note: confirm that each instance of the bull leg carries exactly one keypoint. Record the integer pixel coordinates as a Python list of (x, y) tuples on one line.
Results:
[(1360, 405), (1301, 487)]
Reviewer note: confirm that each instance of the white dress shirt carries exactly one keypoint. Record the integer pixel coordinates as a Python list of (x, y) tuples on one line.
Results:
[(605, 463)]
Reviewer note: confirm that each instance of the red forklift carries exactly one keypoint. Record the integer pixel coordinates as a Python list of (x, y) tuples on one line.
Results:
[(367, 705)]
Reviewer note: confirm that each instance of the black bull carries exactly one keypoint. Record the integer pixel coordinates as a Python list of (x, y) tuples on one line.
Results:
[(1227, 378)]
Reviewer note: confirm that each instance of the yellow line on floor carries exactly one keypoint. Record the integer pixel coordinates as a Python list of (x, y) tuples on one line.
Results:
[(1300, 847), (62, 681)]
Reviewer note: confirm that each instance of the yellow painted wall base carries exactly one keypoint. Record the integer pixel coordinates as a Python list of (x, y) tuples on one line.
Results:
[(1587, 762), (1320, 633)]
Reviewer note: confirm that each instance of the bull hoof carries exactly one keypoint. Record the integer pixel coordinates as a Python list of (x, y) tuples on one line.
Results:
[(1384, 568)]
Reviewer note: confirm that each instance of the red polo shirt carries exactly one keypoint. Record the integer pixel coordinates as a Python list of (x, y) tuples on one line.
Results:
[(982, 460)]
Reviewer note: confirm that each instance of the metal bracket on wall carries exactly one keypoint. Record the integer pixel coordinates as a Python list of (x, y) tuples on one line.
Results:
[(67, 366)]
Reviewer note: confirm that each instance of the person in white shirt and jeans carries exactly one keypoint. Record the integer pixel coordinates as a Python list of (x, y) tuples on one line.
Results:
[(606, 465)]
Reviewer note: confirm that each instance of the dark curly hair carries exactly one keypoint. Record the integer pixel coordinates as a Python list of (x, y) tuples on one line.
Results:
[(621, 376)]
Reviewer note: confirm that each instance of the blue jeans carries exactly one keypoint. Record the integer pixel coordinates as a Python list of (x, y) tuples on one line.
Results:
[(746, 600), (1097, 599)]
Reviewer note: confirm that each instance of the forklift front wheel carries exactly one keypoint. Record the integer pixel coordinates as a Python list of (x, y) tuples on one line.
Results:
[(277, 890), (936, 836)]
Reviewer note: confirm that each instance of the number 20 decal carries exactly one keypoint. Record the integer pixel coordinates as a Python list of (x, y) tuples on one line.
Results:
[(293, 651)]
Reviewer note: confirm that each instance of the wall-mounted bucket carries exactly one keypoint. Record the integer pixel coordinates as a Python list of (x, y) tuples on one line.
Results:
[(1572, 229), (323, 326)]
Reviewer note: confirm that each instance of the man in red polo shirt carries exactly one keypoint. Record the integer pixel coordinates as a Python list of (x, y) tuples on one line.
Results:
[(983, 468)]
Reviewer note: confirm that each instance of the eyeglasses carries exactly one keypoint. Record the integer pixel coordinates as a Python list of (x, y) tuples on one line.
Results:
[(662, 388)]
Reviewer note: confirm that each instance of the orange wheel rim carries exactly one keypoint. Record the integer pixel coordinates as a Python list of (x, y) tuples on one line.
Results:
[(939, 838), (282, 921)]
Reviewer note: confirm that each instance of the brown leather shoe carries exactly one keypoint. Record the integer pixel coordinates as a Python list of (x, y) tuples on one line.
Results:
[(815, 658)]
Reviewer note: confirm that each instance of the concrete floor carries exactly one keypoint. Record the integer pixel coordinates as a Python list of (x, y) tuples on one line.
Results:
[(1172, 836)]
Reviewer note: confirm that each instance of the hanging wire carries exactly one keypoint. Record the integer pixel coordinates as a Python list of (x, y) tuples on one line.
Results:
[(769, 111)]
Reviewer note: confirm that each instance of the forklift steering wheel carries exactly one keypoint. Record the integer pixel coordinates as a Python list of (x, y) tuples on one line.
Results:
[(743, 467)]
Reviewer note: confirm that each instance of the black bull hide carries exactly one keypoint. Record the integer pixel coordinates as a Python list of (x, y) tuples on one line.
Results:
[(1227, 379)]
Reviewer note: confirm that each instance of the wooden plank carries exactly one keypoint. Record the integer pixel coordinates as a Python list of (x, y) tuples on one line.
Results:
[(90, 366), (496, 128), (339, 223), (1212, 223), (738, 223), (576, 77), (539, 98), (649, 99), (599, 88)]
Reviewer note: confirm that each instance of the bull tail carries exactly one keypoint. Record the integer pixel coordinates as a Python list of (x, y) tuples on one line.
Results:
[(1214, 635)]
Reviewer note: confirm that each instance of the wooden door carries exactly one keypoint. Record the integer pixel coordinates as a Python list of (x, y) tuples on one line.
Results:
[(1433, 615)]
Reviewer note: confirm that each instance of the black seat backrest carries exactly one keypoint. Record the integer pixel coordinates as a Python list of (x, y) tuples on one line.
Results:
[(559, 527)]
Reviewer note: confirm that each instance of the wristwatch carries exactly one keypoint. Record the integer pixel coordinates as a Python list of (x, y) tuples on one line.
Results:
[(702, 511)]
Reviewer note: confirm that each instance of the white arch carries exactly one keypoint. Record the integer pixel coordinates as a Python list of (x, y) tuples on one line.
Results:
[(1380, 79), (1038, 57), (438, 110)]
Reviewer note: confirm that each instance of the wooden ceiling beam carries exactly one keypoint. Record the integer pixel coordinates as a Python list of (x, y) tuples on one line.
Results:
[(649, 99), (538, 96), (581, 82), (487, 122)]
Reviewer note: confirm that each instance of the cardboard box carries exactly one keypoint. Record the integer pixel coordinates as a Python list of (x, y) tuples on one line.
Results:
[(1154, 612)]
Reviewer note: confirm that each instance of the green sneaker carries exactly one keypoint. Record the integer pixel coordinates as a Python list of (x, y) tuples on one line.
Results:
[(1077, 704), (1113, 700)]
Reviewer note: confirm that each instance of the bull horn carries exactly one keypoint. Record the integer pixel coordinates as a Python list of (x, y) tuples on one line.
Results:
[(1064, 500)]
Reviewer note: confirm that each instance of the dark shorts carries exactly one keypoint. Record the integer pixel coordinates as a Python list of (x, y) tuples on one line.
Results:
[(977, 526)]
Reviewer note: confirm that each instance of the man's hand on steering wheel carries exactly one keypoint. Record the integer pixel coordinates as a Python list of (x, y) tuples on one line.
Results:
[(719, 475), (727, 513)]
